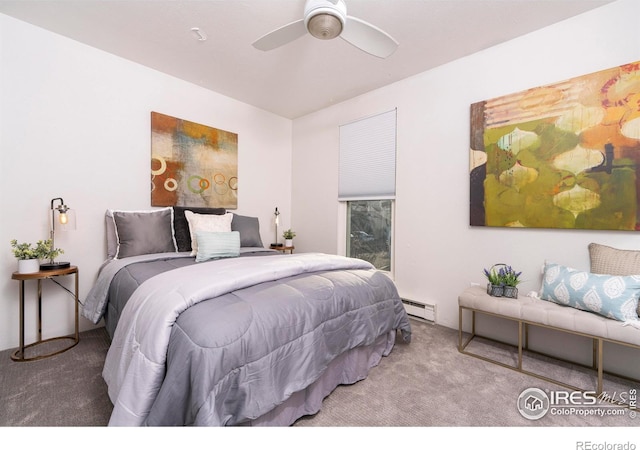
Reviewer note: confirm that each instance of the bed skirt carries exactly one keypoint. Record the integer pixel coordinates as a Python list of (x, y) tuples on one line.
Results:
[(348, 368)]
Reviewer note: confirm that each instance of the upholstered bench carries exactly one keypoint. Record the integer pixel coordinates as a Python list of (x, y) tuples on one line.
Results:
[(529, 311)]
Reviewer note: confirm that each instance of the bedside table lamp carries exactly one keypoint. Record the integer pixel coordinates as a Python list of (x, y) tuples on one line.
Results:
[(277, 222), (63, 218)]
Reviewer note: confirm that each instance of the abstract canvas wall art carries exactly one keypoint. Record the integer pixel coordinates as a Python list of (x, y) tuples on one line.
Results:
[(565, 155), (192, 164)]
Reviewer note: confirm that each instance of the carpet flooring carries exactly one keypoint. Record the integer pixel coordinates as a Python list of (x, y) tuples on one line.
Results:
[(427, 383)]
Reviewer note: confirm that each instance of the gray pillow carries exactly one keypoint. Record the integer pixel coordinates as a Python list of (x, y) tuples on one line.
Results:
[(612, 261), (249, 228), (112, 240), (143, 232)]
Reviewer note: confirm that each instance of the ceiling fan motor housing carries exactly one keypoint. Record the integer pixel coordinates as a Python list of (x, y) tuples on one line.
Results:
[(325, 19)]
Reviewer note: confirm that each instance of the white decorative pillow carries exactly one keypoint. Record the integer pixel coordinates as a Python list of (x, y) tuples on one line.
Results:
[(181, 226), (614, 297), (214, 245), (206, 222)]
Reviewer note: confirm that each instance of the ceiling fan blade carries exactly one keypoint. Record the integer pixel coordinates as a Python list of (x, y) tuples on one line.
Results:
[(368, 38), (281, 36)]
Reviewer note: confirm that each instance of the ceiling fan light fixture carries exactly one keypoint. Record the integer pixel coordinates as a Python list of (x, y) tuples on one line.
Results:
[(327, 19), (325, 26)]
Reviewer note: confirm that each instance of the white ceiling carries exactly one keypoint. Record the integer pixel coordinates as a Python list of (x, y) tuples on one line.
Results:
[(305, 75)]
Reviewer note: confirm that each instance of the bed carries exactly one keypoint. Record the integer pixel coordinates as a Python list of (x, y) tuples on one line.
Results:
[(210, 328)]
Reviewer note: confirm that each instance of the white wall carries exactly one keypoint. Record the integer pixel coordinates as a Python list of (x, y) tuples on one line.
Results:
[(76, 124), (437, 253)]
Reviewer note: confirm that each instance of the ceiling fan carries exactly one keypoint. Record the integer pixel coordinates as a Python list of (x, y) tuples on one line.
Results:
[(328, 19)]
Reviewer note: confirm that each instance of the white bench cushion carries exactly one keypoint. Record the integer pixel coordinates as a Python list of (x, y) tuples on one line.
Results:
[(536, 311)]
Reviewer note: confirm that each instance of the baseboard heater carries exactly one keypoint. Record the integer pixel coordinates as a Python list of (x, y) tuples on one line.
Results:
[(424, 311)]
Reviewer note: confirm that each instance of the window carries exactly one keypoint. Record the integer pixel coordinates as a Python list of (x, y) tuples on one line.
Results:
[(368, 187), (369, 231)]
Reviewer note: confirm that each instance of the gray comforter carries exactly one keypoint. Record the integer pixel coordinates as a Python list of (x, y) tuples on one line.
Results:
[(120, 278), (224, 342)]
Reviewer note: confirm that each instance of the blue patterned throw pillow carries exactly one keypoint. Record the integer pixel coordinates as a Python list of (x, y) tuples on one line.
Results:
[(614, 297)]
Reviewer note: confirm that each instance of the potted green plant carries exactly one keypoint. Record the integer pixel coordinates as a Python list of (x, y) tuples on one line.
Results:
[(502, 281), (29, 256), (510, 279), (288, 236), (494, 285)]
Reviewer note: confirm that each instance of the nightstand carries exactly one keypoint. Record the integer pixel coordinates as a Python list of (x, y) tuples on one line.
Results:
[(284, 249), (18, 355)]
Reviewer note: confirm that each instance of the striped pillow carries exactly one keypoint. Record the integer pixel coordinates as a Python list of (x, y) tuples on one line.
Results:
[(217, 244)]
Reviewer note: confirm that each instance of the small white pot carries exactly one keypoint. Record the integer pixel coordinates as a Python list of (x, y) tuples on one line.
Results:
[(28, 265), (288, 242)]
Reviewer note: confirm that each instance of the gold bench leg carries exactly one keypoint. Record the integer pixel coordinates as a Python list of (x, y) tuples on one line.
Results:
[(519, 344), (523, 344), (600, 368), (461, 345), (459, 328)]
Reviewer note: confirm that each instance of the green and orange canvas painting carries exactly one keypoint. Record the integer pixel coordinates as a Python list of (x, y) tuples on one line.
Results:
[(192, 164), (566, 155)]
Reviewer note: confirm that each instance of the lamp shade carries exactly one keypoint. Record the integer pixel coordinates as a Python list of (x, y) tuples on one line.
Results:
[(62, 218), (276, 221), (325, 26)]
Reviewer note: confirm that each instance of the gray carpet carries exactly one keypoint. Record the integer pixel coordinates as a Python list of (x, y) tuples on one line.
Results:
[(425, 383), (63, 390)]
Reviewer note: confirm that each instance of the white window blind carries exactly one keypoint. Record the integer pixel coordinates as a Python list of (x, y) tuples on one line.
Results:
[(368, 158)]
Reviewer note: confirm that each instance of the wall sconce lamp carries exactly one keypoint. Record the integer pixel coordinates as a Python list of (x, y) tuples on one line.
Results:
[(277, 222), (63, 218)]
